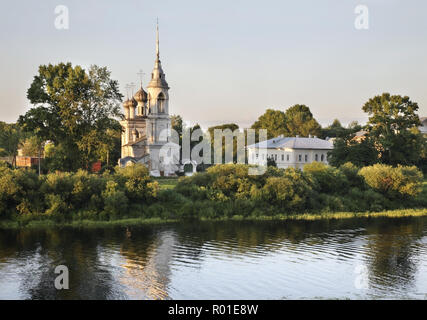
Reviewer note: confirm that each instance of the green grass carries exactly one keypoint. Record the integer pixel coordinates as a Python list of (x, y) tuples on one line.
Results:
[(36, 224), (167, 183), (41, 224)]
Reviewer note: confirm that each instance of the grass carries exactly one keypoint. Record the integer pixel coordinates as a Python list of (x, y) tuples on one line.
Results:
[(41, 224), (167, 183), (36, 224)]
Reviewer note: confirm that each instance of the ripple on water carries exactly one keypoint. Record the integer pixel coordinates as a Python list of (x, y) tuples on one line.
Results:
[(227, 261)]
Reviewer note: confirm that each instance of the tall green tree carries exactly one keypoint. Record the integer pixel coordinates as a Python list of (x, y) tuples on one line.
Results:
[(74, 108), (274, 121), (297, 120), (10, 140), (177, 124), (230, 126), (337, 130), (360, 153), (393, 125), (300, 121)]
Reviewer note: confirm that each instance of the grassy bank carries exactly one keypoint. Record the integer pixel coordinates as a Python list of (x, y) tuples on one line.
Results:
[(129, 196), (134, 222)]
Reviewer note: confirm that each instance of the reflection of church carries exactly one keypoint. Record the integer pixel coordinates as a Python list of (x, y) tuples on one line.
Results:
[(147, 125)]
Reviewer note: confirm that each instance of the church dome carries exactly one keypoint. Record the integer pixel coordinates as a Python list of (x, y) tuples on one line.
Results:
[(127, 104), (140, 96), (133, 103)]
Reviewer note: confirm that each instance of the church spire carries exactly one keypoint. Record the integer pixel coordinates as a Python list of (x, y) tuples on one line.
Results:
[(157, 41), (157, 76)]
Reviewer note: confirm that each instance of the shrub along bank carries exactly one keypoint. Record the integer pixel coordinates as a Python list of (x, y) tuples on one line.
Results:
[(223, 191)]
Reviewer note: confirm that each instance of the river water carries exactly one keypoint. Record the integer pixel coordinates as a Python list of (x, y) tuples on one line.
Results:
[(336, 259)]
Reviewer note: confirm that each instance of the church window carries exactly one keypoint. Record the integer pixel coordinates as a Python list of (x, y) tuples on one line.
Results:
[(322, 157), (161, 103)]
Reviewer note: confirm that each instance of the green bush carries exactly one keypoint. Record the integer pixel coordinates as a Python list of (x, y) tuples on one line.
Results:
[(352, 174), (329, 180), (222, 191), (137, 183), (393, 182), (8, 191), (115, 200)]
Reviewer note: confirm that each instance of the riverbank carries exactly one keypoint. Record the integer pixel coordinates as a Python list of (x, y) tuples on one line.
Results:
[(134, 222)]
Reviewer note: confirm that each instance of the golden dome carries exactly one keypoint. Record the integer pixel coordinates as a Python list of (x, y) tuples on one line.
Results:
[(140, 96), (127, 104)]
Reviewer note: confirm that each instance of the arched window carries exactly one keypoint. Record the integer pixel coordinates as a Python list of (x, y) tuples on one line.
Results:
[(322, 157), (161, 103)]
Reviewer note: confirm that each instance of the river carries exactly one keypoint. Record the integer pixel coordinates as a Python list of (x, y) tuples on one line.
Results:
[(326, 259)]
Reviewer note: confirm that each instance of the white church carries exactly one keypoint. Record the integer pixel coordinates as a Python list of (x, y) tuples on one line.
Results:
[(147, 130), (147, 126)]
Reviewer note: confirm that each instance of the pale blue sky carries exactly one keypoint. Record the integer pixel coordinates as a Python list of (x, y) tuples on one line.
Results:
[(227, 60)]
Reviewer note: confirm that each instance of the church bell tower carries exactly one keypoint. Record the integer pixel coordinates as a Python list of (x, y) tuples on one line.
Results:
[(158, 100)]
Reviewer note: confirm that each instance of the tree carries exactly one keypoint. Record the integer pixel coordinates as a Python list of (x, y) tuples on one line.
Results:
[(271, 162), (109, 150), (74, 109), (177, 124), (363, 153), (393, 125), (230, 126), (300, 121), (297, 120), (10, 139), (274, 121), (336, 130), (31, 147)]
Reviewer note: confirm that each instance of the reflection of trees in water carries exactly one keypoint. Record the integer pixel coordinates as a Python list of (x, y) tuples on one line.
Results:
[(247, 236), (393, 252), (78, 250), (147, 266), (94, 256)]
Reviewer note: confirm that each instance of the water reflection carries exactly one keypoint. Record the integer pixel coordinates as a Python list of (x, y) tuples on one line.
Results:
[(224, 260), (395, 251), (147, 266)]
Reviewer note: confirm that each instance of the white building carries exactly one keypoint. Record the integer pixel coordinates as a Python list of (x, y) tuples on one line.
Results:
[(287, 152), (147, 126)]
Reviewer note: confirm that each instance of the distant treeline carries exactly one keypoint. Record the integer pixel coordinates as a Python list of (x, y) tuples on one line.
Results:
[(223, 191)]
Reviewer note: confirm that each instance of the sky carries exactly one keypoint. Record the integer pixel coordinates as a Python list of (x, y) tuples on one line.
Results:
[(227, 60)]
